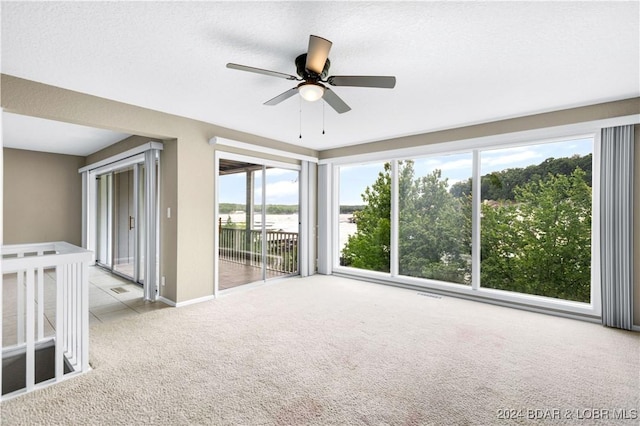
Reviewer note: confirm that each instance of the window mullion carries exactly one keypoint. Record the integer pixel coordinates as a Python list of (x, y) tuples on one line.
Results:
[(475, 221), (394, 254)]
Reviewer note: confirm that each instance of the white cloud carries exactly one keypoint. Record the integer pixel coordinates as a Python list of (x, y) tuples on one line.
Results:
[(281, 172), (285, 192), (362, 167), (452, 167), (432, 162), (464, 163), (517, 159)]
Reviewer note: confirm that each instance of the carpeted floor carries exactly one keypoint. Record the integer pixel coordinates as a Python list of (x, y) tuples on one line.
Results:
[(328, 350)]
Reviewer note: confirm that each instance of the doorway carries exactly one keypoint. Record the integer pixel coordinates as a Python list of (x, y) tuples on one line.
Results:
[(258, 220), (118, 236), (121, 216)]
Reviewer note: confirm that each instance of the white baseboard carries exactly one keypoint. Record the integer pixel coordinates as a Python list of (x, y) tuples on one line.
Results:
[(166, 301), (193, 301), (635, 328)]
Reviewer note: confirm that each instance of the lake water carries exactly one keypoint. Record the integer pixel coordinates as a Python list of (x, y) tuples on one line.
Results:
[(289, 223)]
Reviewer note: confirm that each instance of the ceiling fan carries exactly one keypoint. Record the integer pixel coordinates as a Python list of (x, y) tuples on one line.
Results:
[(312, 69)]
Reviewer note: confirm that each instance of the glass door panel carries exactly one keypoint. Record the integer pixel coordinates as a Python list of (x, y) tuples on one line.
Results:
[(127, 221), (256, 234), (124, 223), (257, 223), (104, 220), (282, 221), (141, 225), (239, 225)]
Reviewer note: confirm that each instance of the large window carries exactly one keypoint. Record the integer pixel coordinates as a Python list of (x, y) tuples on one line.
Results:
[(527, 230), (536, 220), (365, 216), (434, 219)]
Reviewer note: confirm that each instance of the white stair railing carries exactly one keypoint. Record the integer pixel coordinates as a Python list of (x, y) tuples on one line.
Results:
[(30, 262)]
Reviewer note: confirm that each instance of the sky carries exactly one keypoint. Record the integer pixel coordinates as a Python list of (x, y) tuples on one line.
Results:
[(282, 185), (457, 167)]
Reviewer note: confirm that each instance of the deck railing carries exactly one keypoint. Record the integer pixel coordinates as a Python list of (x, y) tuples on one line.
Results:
[(242, 246), (30, 264)]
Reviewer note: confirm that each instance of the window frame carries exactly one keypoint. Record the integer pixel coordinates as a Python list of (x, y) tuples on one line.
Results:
[(396, 229), (590, 311)]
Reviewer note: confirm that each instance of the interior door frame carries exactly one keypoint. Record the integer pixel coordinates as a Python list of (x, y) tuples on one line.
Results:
[(302, 214), (114, 242), (147, 154)]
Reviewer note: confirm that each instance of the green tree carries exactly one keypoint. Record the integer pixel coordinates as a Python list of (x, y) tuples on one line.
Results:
[(432, 226), (541, 244), (369, 247), (500, 185), (538, 243)]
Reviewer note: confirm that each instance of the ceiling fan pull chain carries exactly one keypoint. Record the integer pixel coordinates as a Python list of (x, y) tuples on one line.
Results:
[(300, 120), (323, 118)]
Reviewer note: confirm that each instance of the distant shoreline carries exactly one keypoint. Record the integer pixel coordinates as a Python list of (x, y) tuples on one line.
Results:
[(282, 209), (290, 223)]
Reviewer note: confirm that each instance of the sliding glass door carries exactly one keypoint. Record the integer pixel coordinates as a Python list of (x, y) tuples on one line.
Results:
[(282, 221), (125, 217), (104, 219), (257, 221), (117, 237), (121, 223), (141, 224), (121, 228)]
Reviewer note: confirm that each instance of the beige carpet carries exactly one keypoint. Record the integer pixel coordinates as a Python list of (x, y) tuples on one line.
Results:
[(327, 350)]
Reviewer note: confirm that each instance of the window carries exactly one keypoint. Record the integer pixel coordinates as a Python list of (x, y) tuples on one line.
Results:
[(532, 232), (435, 218), (365, 216), (536, 220)]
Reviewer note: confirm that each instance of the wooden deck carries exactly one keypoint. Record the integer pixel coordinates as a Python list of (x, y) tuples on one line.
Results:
[(233, 274)]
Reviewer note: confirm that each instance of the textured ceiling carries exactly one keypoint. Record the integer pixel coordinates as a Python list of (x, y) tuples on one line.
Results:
[(456, 63), (37, 134)]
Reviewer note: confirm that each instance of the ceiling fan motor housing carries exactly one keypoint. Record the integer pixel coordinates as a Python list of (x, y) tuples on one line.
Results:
[(312, 68), (306, 74)]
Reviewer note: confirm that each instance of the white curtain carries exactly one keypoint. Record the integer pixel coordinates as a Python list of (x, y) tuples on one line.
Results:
[(616, 230)]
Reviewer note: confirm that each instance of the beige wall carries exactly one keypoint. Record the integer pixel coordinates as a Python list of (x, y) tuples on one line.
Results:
[(122, 146), (636, 228), (187, 164), (168, 199), (539, 121), (187, 171), (168, 226), (42, 197)]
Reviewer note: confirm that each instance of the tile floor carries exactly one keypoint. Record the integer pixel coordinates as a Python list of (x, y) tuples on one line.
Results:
[(105, 304)]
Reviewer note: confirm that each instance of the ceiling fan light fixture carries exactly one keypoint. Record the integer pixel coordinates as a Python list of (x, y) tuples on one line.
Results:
[(313, 70), (311, 91)]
